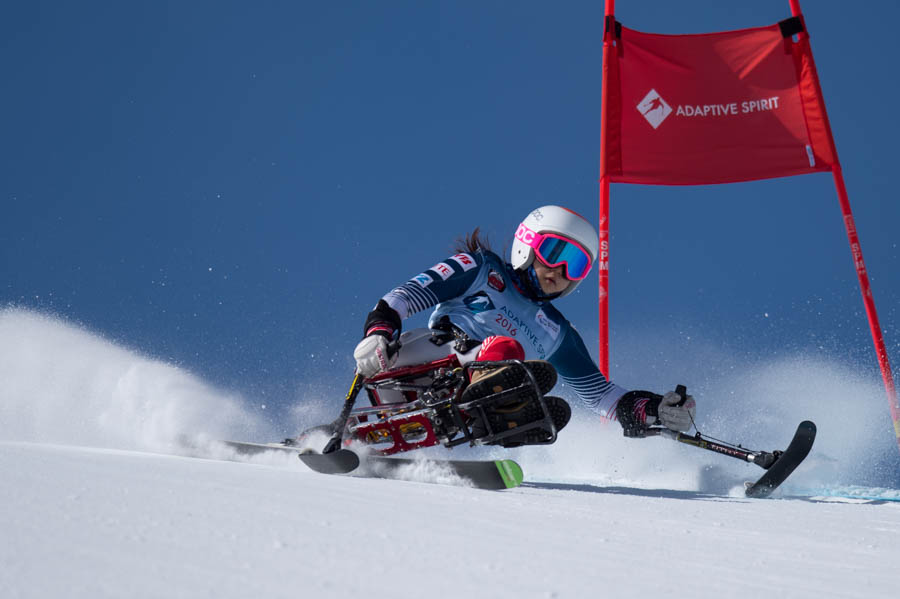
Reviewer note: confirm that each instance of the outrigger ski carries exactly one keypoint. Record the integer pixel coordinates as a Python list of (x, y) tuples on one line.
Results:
[(340, 461), (777, 464), (483, 474), (785, 463)]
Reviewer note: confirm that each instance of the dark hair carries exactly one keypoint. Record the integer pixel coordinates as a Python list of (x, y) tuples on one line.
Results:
[(472, 242)]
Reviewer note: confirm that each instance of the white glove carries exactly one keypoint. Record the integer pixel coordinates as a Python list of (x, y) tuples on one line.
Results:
[(371, 355), (674, 417)]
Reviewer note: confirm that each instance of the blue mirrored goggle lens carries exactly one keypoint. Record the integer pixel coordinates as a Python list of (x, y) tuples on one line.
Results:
[(554, 251)]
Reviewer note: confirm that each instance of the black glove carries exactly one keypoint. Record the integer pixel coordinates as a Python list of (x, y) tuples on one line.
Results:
[(639, 410), (636, 411), (383, 320)]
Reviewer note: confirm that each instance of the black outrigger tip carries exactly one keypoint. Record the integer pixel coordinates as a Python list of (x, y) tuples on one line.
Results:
[(786, 462), (339, 461)]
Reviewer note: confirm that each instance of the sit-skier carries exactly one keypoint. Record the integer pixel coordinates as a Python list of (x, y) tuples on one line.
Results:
[(503, 311)]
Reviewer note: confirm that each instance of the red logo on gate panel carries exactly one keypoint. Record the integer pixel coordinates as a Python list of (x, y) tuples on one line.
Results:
[(496, 281)]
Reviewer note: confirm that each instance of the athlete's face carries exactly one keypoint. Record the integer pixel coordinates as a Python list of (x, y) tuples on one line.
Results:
[(552, 280)]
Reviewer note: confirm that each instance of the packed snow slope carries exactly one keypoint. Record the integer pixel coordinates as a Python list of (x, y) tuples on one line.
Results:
[(80, 522), (99, 499)]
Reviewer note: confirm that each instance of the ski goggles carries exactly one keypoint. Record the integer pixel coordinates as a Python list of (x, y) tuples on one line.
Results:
[(553, 250)]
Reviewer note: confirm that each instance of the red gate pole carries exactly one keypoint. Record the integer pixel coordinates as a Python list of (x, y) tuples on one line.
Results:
[(866, 290), (856, 249), (609, 36)]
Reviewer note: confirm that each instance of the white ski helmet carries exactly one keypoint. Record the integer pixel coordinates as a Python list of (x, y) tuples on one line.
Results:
[(558, 221)]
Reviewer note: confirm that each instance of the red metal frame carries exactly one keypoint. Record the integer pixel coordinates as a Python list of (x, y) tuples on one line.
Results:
[(393, 427), (394, 424)]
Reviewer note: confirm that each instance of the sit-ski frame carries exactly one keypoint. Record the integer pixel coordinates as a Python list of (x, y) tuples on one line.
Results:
[(433, 410)]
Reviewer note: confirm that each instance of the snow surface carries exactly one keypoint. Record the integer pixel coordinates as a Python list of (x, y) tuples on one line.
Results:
[(96, 502)]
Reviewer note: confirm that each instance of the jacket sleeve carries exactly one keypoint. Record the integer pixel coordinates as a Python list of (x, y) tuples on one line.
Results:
[(578, 370), (443, 281)]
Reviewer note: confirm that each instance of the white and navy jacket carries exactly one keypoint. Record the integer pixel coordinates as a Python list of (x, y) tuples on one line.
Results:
[(483, 296)]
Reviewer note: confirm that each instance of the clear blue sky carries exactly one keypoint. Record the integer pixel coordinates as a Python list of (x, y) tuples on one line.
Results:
[(231, 185)]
